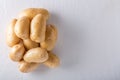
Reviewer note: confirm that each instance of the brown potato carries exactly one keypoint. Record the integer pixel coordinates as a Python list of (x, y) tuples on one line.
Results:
[(53, 61), (50, 38), (37, 55), (38, 28), (27, 67), (17, 52), (29, 44), (11, 37), (32, 12), (22, 27)]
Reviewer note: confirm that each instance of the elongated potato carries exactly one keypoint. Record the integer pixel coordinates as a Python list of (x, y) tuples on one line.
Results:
[(50, 38), (37, 55), (11, 37), (32, 12), (22, 27), (38, 28), (29, 44), (53, 61), (17, 52), (27, 67)]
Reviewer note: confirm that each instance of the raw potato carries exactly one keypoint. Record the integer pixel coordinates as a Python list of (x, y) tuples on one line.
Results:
[(22, 27), (32, 12), (53, 61), (17, 52), (37, 55), (31, 40), (50, 38), (27, 67), (11, 38), (29, 44), (38, 28)]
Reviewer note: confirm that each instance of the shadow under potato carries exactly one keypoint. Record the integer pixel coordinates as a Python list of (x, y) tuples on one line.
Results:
[(68, 51), (42, 69)]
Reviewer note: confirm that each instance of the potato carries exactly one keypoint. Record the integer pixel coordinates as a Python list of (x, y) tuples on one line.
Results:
[(50, 38), (22, 27), (32, 12), (11, 38), (27, 67), (53, 61), (31, 40), (38, 28), (29, 44), (37, 55), (17, 52)]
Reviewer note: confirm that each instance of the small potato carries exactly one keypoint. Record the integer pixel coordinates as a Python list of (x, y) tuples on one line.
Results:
[(29, 44), (37, 55), (22, 27), (38, 28), (32, 12), (50, 38), (27, 67), (17, 52), (11, 37), (53, 61)]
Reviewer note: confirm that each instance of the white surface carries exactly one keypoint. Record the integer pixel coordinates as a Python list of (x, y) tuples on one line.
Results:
[(88, 43)]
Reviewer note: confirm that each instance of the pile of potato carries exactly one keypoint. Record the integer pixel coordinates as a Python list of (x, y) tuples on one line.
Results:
[(31, 40)]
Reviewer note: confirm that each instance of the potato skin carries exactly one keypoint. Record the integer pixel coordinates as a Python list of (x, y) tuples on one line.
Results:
[(32, 12), (29, 44), (22, 27), (27, 67), (17, 52), (11, 38), (38, 28), (50, 38), (37, 55), (53, 61)]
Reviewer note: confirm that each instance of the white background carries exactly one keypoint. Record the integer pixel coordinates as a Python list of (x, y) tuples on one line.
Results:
[(88, 43)]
